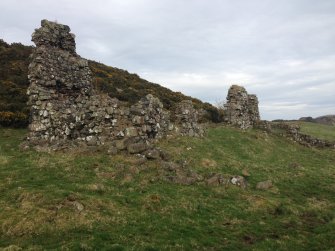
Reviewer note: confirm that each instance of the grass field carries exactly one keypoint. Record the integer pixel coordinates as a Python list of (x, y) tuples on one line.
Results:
[(92, 201), (318, 130)]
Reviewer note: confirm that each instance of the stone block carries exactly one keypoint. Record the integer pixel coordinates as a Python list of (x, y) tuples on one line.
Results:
[(137, 148), (131, 132)]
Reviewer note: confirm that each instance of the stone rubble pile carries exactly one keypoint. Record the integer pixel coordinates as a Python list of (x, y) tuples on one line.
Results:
[(241, 109), (66, 110)]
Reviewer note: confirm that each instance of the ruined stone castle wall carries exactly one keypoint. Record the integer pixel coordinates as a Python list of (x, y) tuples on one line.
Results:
[(66, 109), (241, 109), (186, 117)]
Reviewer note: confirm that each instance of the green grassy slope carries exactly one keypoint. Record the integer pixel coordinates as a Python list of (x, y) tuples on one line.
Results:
[(318, 130), (42, 196)]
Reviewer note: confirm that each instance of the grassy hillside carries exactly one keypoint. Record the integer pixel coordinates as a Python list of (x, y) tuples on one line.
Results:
[(92, 201), (14, 61), (317, 130)]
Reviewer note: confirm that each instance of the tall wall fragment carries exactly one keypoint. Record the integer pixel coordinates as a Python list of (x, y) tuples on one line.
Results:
[(67, 110), (241, 109)]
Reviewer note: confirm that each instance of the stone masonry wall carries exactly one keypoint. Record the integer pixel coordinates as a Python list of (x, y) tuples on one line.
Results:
[(66, 109), (241, 109), (186, 117)]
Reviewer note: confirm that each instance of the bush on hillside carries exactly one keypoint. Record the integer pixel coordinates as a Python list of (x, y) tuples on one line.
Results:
[(13, 119)]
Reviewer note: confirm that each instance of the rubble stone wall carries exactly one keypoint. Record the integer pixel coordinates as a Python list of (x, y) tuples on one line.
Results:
[(241, 109), (66, 109), (292, 131), (186, 117)]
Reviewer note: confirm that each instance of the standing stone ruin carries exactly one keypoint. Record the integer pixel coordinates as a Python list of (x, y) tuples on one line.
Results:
[(241, 109), (67, 111), (186, 117)]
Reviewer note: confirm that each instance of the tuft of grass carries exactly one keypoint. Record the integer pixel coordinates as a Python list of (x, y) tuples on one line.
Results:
[(3, 160), (92, 201)]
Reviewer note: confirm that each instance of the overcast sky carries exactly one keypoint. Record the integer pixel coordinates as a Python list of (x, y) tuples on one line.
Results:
[(281, 50)]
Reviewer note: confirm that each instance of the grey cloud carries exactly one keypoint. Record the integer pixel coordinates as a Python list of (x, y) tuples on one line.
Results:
[(281, 50)]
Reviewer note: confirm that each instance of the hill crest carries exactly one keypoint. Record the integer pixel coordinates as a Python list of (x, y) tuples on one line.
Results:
[(325, 120)]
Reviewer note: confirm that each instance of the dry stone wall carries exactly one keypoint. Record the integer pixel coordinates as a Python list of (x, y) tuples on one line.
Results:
[(292, 131), (241, 109), (66, 110), (149, 118), (186, 117)]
